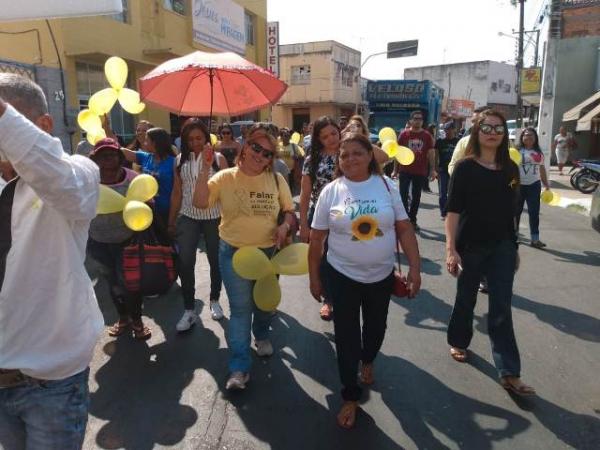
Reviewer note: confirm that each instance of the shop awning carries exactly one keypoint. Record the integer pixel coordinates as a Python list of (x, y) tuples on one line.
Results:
[(585, 123), (575, 112)]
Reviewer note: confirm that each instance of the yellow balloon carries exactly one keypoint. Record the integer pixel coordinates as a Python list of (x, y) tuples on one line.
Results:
[(102, 101), (213, 139), (110, 201), (129, 100), (387, 134), (292, 260), (515, 155), (555, 199), (391, 148), (405, 156), (251, 263), (137, 215), (267, 293), (142, 188), (547, 196), (295, 138), (136, 109), (115, 69), (88, 121), (95, 135)]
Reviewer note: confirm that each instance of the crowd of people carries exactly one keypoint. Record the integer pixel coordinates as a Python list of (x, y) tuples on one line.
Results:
[(238, 193)]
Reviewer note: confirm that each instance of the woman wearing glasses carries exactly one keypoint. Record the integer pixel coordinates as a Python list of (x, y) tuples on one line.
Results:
[(251, 196), (228, 146), (481, 240)]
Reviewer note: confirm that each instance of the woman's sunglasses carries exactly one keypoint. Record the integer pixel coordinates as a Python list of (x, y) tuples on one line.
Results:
[(491, 129), (259, 149)]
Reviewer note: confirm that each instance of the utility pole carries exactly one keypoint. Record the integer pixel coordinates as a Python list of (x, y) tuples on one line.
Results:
[(520, 63)]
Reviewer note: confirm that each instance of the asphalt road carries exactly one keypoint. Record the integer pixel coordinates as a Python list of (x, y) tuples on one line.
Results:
[(169, 391)]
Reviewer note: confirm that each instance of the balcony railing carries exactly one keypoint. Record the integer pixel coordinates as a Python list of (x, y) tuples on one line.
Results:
[(568, 4)]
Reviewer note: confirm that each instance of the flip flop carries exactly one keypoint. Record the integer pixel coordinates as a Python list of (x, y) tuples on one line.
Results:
[(520, 389), (458, 354), (118, 328), (141, 332), (346, 418)]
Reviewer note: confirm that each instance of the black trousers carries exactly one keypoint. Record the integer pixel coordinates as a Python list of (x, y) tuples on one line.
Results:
[(415, 184), (352, 346)]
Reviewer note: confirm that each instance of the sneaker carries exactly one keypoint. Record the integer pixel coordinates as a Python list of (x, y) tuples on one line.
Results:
[(188, 319), (537, 244), (237, 381), (264, 348), (216, 312)]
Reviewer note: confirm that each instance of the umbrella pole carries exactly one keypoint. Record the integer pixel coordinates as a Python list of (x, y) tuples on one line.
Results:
[(210, 77)]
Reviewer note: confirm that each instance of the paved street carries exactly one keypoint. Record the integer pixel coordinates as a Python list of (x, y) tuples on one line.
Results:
[(169, 392)]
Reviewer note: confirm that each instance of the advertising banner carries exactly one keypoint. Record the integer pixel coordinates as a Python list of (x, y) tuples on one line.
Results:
[(273, 48), (219, 24), (460, 107), (44, 9), (531, 80)]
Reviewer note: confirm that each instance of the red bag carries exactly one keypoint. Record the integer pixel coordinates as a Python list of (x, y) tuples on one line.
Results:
[(148, 267), (400, 288)]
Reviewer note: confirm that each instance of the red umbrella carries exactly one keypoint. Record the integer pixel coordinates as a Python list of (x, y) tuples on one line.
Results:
[(210, 83)]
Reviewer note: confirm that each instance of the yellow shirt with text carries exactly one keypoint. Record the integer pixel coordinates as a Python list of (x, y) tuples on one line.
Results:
[(249, 206)]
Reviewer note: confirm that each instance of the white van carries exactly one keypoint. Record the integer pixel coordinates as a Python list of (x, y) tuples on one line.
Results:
[(512, 128)]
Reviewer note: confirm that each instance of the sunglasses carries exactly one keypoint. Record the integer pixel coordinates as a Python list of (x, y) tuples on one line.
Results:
[(259, 149), (486, 128)]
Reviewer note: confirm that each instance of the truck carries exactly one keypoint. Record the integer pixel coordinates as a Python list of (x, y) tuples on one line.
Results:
[(391, 102)]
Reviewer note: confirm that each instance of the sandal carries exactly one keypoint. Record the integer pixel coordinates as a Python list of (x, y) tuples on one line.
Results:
[(118, 328), (141, 331), (458, 354), (366, 374), (514, 385), (346, 418), (326, 312)]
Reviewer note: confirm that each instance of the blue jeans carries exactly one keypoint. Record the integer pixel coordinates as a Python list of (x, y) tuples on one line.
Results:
[(48, 415), (496, 261), (443, 179), (188, 235), (245, 316), (530, 193)]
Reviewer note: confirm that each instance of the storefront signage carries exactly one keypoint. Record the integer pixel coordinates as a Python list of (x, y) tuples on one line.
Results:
[(219, 24), (273, 48), (460, 107)]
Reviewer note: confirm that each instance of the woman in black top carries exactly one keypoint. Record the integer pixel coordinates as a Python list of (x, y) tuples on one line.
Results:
[(481, 240)]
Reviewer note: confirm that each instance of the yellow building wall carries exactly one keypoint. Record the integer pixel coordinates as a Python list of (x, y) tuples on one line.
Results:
[(151, 36)]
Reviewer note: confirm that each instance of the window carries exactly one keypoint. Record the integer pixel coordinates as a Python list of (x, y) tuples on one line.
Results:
[(177, 6), (345, 73), (90, 79), (124, 16), (249, 19), (301, 74)]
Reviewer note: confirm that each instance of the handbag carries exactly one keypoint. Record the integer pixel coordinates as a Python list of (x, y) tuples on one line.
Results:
[(400, 288), (149, 267)]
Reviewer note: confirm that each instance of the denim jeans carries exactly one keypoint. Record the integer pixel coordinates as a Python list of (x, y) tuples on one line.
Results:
[(530, 194), (188, 235), (496, 261), (415, 183), (349, 298), (245, 316), (443, 179), (48, 415)]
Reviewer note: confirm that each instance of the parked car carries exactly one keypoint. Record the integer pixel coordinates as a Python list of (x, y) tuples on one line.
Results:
[(513, 132)]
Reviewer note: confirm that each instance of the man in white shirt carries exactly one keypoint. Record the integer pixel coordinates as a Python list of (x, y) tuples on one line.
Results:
[(49, 316)]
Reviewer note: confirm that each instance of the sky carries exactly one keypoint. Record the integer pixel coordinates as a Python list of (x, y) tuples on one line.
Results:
[(448, 31)]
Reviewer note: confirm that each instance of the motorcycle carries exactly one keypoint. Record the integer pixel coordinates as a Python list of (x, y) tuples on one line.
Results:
[(585, 175)]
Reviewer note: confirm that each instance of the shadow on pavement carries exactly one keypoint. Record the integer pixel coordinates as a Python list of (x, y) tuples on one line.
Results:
[(575, 430), (564, 320), (588, 258), (423, 403)]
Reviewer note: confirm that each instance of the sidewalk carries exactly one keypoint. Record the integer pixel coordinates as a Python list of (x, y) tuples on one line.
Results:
[(570, 198)]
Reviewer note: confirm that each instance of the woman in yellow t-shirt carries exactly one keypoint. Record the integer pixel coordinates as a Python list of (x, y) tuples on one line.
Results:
[(251, 196)]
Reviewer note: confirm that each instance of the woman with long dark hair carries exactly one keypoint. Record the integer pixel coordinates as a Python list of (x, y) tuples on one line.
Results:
[(533, 175), (360, 261), (481, 240), (228, 146), (158, 160), (187, 223), (318, 171), (139, 139)]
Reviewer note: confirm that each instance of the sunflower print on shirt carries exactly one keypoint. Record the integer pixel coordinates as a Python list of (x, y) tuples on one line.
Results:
[(365, 228)]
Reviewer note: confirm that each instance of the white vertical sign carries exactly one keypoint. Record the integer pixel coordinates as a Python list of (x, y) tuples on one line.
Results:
[(273, 48)]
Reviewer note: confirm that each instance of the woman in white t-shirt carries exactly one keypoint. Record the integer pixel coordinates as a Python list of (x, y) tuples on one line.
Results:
[(533, 175), (361, 215)]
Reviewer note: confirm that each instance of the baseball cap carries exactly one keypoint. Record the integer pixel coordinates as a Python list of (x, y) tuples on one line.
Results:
[(105, 144)]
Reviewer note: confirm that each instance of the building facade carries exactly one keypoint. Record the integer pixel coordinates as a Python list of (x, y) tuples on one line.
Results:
[(472, 84), (323, 79), (66, 56)]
